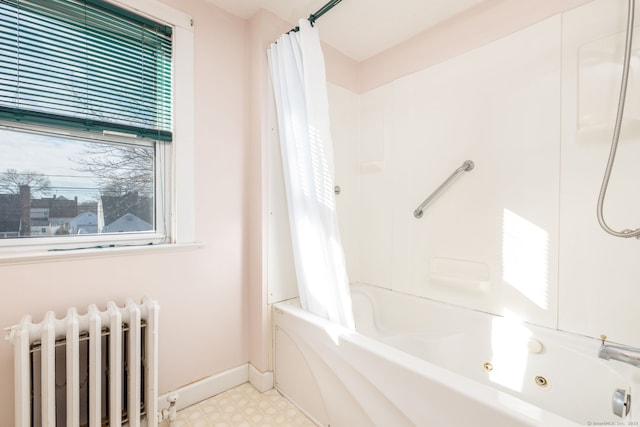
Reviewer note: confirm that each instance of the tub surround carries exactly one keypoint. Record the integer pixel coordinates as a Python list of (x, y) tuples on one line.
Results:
[(518, 235)]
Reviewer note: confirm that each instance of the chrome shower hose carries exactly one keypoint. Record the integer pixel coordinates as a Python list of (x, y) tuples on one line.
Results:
[(616, 131)]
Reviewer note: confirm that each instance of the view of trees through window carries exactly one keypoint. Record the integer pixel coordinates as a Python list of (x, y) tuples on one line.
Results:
[(55, 186)]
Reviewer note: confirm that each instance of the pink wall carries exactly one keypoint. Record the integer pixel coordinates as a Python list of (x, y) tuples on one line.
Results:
[(480, 25), (202, 293), (264, 28)]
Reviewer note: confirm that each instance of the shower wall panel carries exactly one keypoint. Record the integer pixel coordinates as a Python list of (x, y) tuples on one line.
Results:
[(489, 241), (599, 274), (517, 235)]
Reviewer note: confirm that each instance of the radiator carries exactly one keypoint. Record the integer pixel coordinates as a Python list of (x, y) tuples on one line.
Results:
[(95, 369)]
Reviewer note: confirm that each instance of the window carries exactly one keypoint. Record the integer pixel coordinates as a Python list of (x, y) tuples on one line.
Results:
[(60, 185), (87, 123)]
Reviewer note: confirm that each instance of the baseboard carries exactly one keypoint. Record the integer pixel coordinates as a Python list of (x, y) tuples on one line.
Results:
[(206, 388), (261, 381), (216, 384)]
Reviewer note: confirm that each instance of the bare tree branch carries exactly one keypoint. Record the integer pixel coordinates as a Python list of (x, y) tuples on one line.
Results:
[(11, 180), (120, 169)]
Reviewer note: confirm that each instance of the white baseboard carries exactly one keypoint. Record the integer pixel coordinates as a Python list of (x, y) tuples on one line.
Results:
[(261, 381), (206, 388), (216, 384)]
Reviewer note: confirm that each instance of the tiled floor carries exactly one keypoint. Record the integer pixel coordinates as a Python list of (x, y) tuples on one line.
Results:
[(243, 406)]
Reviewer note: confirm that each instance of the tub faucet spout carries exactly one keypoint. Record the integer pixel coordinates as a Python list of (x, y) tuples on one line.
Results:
[(621, 353)]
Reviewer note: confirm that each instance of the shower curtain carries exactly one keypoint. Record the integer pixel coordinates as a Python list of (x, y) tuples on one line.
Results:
[(298, 76)]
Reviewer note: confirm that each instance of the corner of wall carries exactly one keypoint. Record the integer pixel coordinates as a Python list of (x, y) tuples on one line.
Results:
[(262, 381)]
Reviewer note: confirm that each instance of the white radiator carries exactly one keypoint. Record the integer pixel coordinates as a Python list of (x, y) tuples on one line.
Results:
[(95, 369)]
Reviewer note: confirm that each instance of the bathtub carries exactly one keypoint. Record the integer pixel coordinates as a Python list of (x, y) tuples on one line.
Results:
[(417, 362)]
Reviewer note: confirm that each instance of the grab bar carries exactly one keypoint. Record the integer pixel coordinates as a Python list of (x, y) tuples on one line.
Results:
[(466, 166)]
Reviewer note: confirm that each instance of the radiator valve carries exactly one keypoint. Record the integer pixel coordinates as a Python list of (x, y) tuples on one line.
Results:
[(171, 413)]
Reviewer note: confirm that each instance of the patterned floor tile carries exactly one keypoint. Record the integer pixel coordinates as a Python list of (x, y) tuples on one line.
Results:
[(243, 406)]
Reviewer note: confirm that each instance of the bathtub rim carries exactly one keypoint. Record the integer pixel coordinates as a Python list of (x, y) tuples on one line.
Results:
[(485, 395)]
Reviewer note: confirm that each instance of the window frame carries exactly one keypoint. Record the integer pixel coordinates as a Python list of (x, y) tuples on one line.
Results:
[(171, 160)]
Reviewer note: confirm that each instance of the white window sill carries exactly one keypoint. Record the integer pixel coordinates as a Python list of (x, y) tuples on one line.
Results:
[(56, 256)]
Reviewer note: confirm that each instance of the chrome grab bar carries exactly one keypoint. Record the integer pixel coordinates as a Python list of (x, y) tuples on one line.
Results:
[(466, 167)]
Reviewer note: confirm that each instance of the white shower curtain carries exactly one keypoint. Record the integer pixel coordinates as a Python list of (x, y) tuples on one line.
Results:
[(299, 83)]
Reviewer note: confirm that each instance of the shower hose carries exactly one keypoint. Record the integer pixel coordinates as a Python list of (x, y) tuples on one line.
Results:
[(616, 131)]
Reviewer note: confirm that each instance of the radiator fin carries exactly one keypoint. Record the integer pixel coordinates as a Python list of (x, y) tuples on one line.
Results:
[(115, 361), (95, 367), (48, 372), (134, 389), (73, 368)]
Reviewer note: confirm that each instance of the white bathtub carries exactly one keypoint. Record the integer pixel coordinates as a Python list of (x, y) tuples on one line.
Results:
[(416, 362)]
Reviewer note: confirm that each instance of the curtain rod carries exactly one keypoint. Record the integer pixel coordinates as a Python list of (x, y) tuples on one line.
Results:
[(324, 9)]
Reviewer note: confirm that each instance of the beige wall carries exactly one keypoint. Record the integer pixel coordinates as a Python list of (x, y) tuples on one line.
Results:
[(202, 293)]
